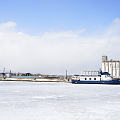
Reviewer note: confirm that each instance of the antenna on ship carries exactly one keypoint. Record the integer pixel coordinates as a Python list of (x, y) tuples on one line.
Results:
[(100, 71)]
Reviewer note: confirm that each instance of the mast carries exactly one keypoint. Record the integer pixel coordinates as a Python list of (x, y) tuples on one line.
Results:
[(3, 73), (66, 74)]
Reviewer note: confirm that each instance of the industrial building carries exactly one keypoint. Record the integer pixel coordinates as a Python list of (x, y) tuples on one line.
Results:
[(111, 66)]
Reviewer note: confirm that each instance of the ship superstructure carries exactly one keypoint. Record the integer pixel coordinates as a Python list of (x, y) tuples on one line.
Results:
[(100, 78)]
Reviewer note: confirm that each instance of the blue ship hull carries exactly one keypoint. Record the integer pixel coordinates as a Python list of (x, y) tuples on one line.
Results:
[(96, 82)]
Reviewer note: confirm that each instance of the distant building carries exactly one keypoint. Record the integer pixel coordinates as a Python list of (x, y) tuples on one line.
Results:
[(111, 66), (5, 75)]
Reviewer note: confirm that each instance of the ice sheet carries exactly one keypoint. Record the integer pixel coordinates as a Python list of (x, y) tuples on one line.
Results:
[(58, 101)]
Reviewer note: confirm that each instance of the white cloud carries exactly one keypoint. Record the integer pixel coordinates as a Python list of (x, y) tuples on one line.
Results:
[(114, 28), (53, 52), (7, 26)]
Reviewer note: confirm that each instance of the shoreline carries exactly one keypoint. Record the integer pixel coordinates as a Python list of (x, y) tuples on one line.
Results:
[(34, 80)]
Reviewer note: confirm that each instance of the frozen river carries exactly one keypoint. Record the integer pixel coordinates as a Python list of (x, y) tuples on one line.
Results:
[(58, 101)]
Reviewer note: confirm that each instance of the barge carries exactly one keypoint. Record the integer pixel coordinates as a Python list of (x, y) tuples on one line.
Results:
[(100, 78)]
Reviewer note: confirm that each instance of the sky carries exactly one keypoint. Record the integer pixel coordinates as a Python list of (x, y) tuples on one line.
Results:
[(50, 36)]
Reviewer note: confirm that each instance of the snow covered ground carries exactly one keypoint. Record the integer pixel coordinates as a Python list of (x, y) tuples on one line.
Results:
[(58, 101)]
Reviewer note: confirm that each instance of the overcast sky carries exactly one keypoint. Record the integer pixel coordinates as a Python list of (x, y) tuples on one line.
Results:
[(50, 36)]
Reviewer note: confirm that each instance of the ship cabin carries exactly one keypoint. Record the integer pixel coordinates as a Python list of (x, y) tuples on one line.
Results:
[(93, 77)]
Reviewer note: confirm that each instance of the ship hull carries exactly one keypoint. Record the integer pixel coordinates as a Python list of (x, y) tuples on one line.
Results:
[(96, 82)]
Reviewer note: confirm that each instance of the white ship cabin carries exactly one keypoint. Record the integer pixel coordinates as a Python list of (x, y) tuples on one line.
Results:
[(100, 76)]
